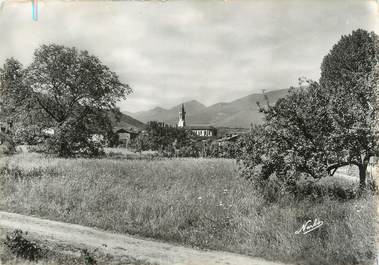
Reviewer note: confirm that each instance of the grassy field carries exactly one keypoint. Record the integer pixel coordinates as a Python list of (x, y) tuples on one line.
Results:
[(196, 202), (123, 153)]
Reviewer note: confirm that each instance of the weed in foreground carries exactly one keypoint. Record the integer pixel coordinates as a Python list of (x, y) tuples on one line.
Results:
[(23, 247), (88, 257)]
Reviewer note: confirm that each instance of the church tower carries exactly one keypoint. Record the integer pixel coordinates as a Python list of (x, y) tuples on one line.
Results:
[(182, 118)]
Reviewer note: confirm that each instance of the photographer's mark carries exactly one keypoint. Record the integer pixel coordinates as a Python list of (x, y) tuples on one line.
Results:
[(309, 226)]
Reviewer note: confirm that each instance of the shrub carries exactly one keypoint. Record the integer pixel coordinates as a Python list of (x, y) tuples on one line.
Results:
[(88, 257), (73, 140), (7, 149), (23, 247), (30, 135)]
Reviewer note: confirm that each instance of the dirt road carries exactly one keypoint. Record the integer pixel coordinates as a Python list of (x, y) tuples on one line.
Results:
[(118, 245)]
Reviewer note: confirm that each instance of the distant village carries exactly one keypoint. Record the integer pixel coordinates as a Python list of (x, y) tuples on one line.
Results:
[(200, 131), (127, 133)]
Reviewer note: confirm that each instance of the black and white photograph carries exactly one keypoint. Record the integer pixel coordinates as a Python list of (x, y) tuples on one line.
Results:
[(189, 132)]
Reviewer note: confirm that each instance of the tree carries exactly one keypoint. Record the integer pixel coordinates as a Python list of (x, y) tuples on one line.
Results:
[(297, 130), (320, 127), (67, 90), (162, 137), (349, 78), (291, 140), (141, 143)]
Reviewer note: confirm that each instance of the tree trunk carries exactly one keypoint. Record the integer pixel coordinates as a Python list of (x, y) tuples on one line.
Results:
[(362, 175), (6, 138)]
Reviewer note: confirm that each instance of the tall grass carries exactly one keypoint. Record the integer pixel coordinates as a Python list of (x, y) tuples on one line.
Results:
[(196, 202)]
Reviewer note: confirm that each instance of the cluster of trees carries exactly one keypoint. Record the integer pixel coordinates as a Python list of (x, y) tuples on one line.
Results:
[(66, 92), (160, 137), (172, 141), (321, 126)]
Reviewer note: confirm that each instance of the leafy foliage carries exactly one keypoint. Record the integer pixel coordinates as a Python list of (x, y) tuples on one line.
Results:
[(161, 137), (349, 77), (320, 127), (64, 90), (177, 142)]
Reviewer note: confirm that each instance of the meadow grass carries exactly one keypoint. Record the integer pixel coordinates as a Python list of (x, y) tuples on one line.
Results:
[(195, 202)]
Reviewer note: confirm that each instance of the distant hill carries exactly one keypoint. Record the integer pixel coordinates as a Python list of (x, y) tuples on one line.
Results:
[(127, 122), (169, 116), (239, 113)]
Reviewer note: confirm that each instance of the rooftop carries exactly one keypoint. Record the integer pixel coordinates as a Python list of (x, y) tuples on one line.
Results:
[(124, 130), (200, 127)]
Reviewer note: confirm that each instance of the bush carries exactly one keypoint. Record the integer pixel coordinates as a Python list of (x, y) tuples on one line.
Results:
[(23, 247), (188, 151), (73, 140), (30, 135), (88, 257), (40, 148), (7, 149)]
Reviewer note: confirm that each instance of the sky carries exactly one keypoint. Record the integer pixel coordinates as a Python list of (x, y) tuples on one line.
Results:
[(175, 51)]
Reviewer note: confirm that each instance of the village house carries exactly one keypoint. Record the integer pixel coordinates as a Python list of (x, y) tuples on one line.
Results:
[(199, 130), (125, 135)]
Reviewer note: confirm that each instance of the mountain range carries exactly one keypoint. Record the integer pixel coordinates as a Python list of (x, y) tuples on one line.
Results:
[(239, 113), (127, 122)]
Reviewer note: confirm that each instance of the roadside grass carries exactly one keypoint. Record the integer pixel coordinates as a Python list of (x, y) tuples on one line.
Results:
[(195, 202)]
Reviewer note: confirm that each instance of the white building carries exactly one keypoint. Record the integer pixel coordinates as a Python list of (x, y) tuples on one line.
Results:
[(199, 130)]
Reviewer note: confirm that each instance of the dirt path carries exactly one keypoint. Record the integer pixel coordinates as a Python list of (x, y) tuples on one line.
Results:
[(118, 245)]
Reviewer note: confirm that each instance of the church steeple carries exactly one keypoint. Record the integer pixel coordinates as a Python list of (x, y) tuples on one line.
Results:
[(182, 117)]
